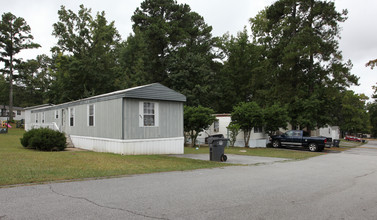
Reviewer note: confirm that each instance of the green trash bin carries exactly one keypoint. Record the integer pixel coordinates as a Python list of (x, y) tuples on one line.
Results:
[(216, 149)]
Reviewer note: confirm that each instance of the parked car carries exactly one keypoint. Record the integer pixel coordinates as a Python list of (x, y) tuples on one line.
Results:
[(352, 138), (299, 138)]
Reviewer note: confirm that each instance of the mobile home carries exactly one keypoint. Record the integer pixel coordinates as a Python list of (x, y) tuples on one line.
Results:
[(141, 120), (18, 113), (258, 138)]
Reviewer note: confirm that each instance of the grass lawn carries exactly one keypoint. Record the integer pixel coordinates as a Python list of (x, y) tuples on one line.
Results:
[(19, 165), (262, 152)]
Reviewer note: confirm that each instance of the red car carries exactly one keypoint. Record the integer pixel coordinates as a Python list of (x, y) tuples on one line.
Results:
[(352, 138)]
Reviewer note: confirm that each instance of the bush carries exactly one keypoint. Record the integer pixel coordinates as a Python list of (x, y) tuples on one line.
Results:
[(44, 139), (25, 140)]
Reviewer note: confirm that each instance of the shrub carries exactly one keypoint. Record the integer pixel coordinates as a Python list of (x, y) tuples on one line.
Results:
[(25, 140), (44, 139)]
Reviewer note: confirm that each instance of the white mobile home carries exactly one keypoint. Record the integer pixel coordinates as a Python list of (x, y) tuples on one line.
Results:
[(258, 138), (18, 113), (141, 120), (328, 131)]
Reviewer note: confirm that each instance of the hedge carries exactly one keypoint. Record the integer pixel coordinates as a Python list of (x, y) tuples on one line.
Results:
[(44, 139)]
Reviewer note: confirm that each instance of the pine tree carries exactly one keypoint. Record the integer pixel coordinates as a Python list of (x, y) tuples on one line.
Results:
[(14, 37)]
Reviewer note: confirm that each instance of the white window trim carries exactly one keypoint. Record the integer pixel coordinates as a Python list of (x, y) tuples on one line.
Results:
[(42, 117), (156, 114), (56, 114), (69, 117), (36, 118), (94, 117)]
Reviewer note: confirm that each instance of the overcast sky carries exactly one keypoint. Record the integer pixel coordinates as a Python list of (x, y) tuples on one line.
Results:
[(358, 37)]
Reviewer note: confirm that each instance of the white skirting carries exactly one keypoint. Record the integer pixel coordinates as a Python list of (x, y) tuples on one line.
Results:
[(130, 147)]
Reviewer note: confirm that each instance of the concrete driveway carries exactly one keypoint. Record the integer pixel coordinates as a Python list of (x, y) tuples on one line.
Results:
[(332, 186), (236, 159)]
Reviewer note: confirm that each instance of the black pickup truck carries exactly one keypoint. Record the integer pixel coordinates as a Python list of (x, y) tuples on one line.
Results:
[(299, 138)]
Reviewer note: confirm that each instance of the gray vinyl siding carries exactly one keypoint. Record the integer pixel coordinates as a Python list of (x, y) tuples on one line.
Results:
[(107, 117), (107, 120), (170, 120)]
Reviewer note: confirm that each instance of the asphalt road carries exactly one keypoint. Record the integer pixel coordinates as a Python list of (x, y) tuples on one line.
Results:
[(332, 186)]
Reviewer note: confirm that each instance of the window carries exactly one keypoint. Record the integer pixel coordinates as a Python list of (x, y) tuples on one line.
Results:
[(43, 117), (71, 117), (216, 126), (148, 114), (258, 129), (36, 117), (7, 114), (90, 115), (18, 112), (56, 114)]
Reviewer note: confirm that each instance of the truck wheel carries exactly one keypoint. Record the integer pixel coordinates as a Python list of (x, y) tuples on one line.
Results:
[(276, 143), (313, 147)]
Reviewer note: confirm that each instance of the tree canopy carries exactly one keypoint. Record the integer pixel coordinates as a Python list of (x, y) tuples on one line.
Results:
[(196, 120), (300, 38), (15, 35), (85, 56), (177, 49), (354, 117), (289, 69), (247, 115)]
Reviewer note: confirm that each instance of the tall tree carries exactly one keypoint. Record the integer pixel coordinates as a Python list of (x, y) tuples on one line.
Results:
[(4, 91), (34, 81), (85, 56), (178, 48), (301, 42), (133, 60), (14, 37), (354, 113), (241, 77), (372, 111)]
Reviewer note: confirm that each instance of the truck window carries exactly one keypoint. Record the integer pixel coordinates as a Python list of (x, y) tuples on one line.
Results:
[(289, 133), (305, 134)]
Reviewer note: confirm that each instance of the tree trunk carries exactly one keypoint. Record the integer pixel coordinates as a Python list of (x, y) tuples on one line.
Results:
[(11, 89), (194, 136), (246, 137)]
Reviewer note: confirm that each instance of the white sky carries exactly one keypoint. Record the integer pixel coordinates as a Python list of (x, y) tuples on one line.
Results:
[(358, 41)]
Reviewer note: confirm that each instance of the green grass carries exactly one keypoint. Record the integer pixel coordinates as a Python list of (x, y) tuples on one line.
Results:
[(20, 166), (262, 152)]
